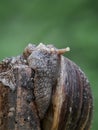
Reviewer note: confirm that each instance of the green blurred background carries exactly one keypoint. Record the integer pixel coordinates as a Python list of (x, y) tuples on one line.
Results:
[(59, 22)]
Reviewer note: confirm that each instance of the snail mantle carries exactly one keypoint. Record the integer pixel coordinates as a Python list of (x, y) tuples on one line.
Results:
[(43, 90)]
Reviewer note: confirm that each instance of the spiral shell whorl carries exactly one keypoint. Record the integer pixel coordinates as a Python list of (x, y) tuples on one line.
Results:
[(76, 101)]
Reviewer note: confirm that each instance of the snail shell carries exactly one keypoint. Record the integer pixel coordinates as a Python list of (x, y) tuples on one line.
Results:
[(72, 103)]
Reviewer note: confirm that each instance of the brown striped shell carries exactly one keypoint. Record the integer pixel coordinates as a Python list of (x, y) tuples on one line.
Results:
[(72, 103)]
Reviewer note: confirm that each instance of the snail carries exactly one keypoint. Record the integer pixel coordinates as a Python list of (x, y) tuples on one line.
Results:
[(62, 81), (59, 93)]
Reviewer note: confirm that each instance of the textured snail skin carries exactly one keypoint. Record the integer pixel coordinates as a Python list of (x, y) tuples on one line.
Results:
[(62, 91), (46, 66)]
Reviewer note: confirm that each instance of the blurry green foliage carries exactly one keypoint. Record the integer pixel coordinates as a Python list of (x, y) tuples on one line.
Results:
[(59, 22)]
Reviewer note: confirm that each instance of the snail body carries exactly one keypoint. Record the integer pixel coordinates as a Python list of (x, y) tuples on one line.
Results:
[(46, 67)]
